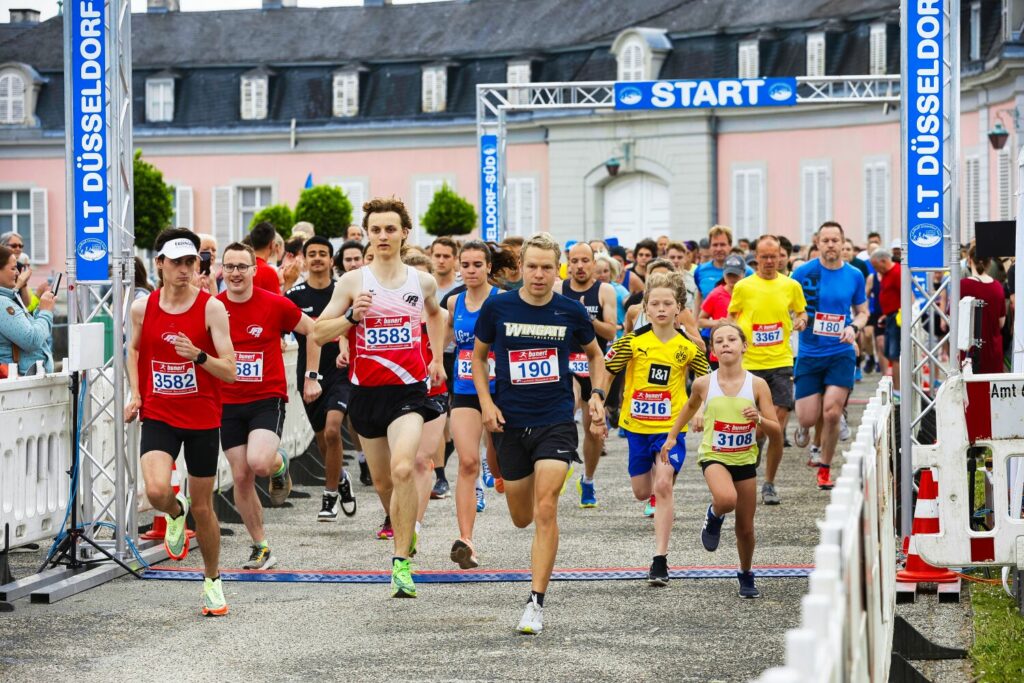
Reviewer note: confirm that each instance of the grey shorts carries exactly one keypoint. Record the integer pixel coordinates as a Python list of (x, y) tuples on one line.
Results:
[(780, 382)]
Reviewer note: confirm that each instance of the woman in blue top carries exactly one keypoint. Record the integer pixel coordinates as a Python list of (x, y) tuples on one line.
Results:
[(25, 338), (466, 423)]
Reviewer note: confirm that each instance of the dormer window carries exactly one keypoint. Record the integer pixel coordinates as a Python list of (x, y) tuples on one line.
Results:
[(640, 53), (518, 72), (975, 47), (346, 93), (160, 99), (878, 48), (816, 54), (435, 89), (749, 59), (255, 86), (12, 98)]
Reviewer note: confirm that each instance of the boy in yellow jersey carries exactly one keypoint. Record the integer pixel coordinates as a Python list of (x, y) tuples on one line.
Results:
[(656, 356), (737, 409), (768, 307)]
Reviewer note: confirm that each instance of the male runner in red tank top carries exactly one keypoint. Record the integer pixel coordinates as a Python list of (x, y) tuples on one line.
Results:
[(380, 307), (254, 406), (179, 354)]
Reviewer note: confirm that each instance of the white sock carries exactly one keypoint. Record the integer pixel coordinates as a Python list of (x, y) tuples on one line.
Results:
[(330, 493), (588, 481), (417, 527), (360, 456)]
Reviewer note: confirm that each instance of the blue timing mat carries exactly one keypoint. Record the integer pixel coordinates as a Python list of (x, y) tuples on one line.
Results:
[(475, 576)]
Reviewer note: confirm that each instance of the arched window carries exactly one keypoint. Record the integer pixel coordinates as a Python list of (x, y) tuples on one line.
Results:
[(12, 98)]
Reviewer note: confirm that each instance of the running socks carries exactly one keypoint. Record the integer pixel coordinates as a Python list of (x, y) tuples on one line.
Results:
[(539, 597), (439, 471), (331, 493), (585, 481), (449, 448), (262, 544), (281, 469), (360, 457)]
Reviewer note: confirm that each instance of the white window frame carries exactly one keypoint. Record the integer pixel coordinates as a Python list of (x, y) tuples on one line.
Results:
[(345, 89), (972, 192), (518, 72), (184, 206), (519, 222), (632, 61), (877, 211), (748, 54), (816, 53), (975, 31), (435, 89), (254, 91), (749, 219), (160, 99), (261, 188), (13, 98), (815, 196), (357, 190), (1004, 179), (36, 235), (878, 50)]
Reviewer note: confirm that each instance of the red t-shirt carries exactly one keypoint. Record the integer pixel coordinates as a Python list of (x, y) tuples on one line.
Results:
[(889, 294), (266, 277), (256, 329), (990, 357), (717, 306)]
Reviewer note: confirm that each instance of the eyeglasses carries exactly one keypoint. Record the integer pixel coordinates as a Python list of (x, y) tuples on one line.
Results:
[(16, 245), (236, 267)]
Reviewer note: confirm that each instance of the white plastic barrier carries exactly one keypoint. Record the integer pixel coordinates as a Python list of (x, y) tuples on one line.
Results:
[(35, 450), (35, 455), (847, 617)]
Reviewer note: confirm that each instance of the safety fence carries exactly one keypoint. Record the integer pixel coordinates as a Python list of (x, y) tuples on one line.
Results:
[(847, 617), (36, 451)]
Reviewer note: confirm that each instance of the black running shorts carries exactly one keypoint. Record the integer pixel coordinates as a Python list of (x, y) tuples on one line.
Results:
[(335, 396), (373, 409), (242, 418), (519, 448), (201, 445), (738, 472)]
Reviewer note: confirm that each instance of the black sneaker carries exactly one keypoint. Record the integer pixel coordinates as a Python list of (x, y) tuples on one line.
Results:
[(711, 534), (869, 365), (364, 474), (348, 501), (441, 490), (658, 575), (328, 508), (281, 484), (747, 587)]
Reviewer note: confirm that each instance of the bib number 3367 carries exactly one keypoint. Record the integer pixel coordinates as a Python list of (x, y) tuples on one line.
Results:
[(768, 334)]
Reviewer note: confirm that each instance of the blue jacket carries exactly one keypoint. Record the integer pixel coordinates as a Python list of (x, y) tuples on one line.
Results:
[(32, 334)]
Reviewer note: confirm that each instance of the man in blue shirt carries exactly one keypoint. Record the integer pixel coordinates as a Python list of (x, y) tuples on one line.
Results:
[(824, 372), (531, 332), (710, 273)]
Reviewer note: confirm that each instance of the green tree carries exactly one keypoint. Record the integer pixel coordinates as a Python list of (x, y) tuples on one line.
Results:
[(278, 215), (327, 208), (153, 202), (449, 214)]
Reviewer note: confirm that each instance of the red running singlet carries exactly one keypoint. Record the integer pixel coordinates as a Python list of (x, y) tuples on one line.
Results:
[(174, 390), (387, 340)]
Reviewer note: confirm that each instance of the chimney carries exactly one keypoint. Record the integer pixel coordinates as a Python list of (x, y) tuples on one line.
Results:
[(279, 4), (24, 16), (162, 6)]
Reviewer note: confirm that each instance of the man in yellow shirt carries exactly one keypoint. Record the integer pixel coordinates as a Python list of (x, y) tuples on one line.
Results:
[(769, 306)]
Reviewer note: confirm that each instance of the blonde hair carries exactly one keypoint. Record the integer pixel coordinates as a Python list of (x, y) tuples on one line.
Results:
[(542, 241), (613, 265), (673, 281), (717, 230), (417, 259)]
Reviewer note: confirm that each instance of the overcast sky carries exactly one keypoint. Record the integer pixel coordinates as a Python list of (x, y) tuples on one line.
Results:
[(49, 7)]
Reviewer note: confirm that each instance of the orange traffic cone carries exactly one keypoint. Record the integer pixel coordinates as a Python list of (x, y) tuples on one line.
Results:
[(926, 521), (156, 533), (925, 381)]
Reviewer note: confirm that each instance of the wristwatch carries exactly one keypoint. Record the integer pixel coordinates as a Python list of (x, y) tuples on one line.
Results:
[(201, 358), (350, 316), (600, 393), (313, 374), (857, 329)]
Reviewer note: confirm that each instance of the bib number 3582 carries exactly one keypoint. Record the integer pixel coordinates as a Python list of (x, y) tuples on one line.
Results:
[(533, 366), (174, 379)]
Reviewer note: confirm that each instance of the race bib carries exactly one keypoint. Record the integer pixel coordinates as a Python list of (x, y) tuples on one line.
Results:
[(387, 333), (248, 366), (732, 437), (465, 365), (579, 365), (533, 366), (829, 324), (651, 405), (174, 379), (768, 334)]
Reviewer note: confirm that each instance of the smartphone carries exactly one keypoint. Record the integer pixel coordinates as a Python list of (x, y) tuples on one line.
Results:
[(205, 262), (56, 284)]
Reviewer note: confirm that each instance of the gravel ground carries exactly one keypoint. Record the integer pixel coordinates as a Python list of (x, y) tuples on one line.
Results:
[(694, 630)]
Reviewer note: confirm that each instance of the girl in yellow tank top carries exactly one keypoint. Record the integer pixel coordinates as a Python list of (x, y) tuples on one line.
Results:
[(735, 409)]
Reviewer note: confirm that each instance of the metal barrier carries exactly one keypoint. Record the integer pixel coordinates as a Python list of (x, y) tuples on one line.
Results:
[(35, 451), (847, 618)]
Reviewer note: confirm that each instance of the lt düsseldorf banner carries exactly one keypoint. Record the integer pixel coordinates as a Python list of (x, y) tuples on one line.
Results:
[(924, 101), (705, 93), (88, 130), (489, 202)]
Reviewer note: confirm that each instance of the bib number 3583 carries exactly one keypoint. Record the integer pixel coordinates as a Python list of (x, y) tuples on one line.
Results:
[(533, 366), (767, 334), (174, 379), (249, 366), (388, 333)]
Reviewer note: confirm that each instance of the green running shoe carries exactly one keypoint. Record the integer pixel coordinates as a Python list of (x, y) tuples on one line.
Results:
[(176, 536), (213, 598), (401, 580), (412, 546)]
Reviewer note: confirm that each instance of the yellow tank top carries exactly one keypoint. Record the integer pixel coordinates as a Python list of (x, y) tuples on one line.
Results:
[(729, 438)]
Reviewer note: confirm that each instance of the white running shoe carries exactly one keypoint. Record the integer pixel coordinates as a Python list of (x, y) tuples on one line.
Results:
[(532, 622), (844, 429), (801, 437), (814, 456)]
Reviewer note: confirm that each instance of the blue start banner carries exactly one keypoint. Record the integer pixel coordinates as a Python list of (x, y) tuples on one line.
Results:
[(489, 205), (88, 132), (923, 103), (706, 93)]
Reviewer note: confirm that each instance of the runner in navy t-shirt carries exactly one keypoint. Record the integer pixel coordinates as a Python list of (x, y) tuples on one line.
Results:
[(532, 331)]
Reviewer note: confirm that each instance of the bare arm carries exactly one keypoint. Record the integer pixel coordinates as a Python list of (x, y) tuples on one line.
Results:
[(598, 378), (489, 412), (690, 325), (332, 322), (437, 321), (311, 388), (631, 315), (860, 318), (605, 326), (223, 366), (138, 312)]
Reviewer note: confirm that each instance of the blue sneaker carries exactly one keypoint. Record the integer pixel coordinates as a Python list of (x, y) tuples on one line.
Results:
[(481, 502), (711, 534), (622, 433), (588, 497), (858, 375), (747, 587), (485, 473)]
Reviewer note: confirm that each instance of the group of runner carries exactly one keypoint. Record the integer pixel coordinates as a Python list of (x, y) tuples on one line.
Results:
[(483, 350)]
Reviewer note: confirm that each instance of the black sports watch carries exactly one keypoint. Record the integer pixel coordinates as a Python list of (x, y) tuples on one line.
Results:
[(313, 374), (201, 358), (350, 316), (600, 393)]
